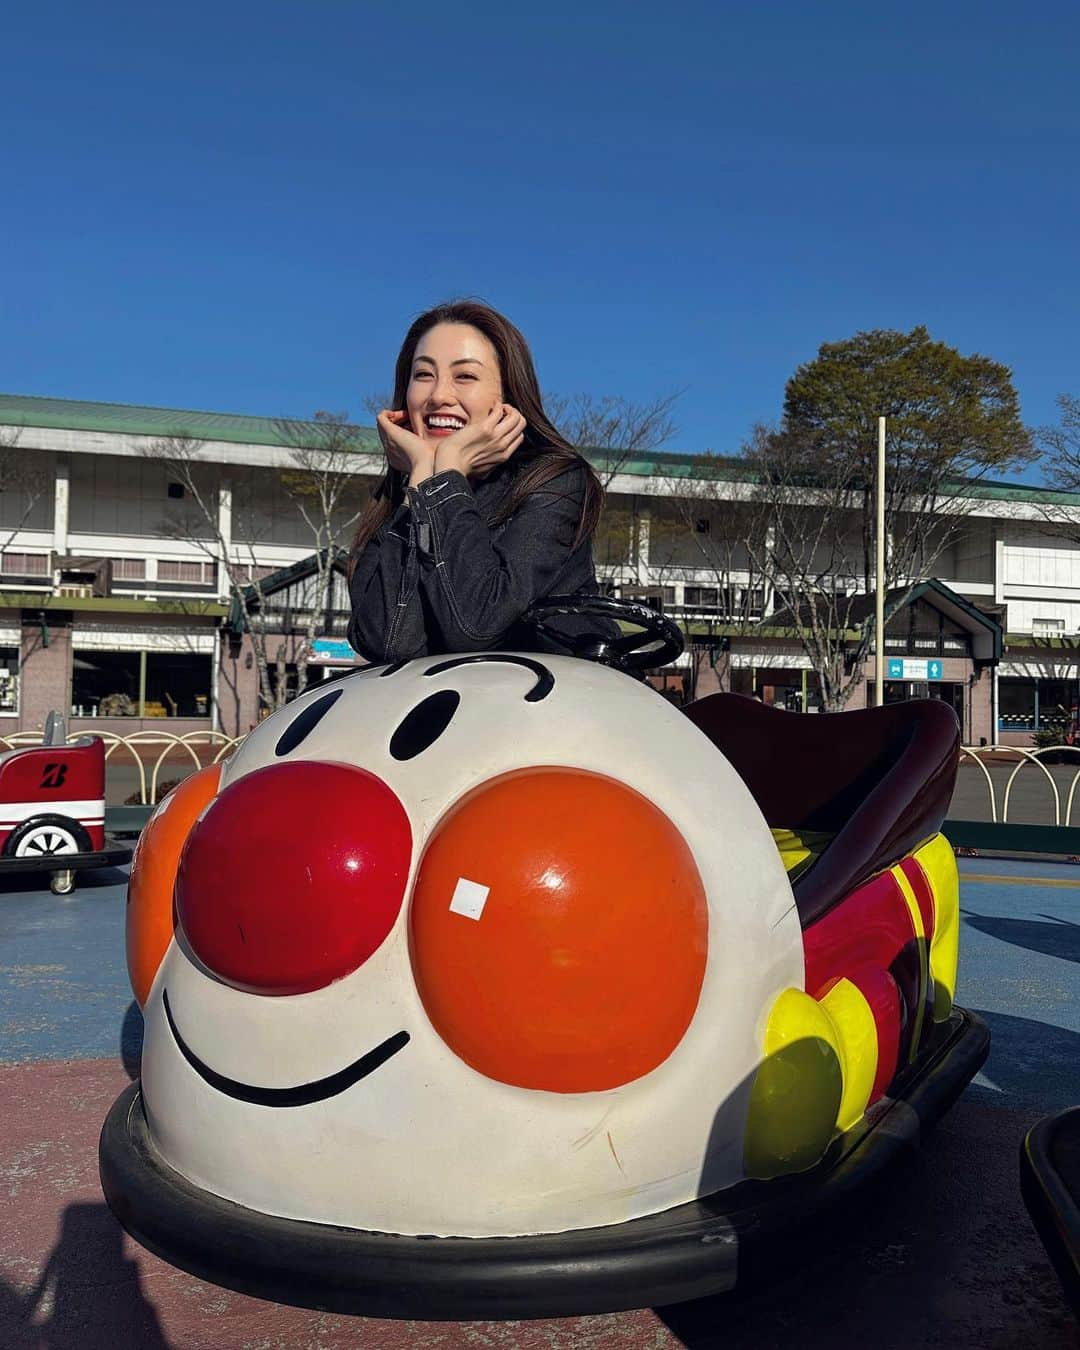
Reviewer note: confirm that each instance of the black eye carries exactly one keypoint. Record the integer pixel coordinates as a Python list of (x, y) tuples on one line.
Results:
[(310, 718), (425, 724)]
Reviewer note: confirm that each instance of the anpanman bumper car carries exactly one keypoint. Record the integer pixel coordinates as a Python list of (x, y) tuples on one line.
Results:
[(495, 985)]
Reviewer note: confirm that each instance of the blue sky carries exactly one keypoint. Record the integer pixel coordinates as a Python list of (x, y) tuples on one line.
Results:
[(240, 206)]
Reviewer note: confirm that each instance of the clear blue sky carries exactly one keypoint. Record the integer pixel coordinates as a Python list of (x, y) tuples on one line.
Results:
[(241, 206)]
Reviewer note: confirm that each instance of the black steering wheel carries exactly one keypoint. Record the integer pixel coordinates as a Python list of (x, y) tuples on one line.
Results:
[(659, 641)]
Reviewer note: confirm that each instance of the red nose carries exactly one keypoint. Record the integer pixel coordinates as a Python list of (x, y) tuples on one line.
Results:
[(293, 876)]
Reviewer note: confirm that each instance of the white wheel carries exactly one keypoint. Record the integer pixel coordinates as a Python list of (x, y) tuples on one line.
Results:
[(46, 841)]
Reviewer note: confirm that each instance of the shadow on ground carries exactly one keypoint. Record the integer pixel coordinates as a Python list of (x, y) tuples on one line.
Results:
[(1032, 1065), (90, 880), (88, 1295), (131, 1040), (941, 1252), (1049, 936)]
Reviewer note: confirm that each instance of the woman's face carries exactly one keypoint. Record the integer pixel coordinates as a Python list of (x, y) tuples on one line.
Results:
[(455, 380)]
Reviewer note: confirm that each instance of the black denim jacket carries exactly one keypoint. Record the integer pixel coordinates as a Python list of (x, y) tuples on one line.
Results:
[(439, 577)]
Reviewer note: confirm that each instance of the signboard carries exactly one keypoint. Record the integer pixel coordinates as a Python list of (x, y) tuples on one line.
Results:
[(333, 651), (917, 669)]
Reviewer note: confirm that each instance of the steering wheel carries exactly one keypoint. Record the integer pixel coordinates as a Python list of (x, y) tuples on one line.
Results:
[(659, 641)]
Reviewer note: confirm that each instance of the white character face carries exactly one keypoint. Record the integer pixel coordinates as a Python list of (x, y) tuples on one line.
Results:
[(474, 946)]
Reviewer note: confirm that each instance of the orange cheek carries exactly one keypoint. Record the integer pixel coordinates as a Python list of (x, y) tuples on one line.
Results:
[(150, 919), (559, 931)]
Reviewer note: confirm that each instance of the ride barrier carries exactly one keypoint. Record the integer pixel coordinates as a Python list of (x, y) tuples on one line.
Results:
[(999, 834), (148, 750)]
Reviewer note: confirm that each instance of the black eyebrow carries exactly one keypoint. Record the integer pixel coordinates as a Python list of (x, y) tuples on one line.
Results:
[(461, 360), (545, 681)]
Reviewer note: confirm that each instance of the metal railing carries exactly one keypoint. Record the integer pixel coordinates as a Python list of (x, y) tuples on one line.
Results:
[(148, 739), (149, 766), (1025, 756)]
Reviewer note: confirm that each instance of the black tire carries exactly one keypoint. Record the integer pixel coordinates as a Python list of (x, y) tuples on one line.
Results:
[(61, 824), (62, 883)]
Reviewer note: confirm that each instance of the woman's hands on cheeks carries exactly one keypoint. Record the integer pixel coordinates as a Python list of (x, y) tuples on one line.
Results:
[(405, 450), (482, 446)]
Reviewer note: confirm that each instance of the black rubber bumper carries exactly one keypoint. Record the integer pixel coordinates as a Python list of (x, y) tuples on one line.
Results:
[(113, 855), (705, 1247), (1050, 1182)]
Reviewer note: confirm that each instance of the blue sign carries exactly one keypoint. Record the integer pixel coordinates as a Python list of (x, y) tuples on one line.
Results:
[(918, 669), (332, 649)]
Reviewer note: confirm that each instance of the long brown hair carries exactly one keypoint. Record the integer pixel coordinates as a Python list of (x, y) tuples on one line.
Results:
[(542, 455)]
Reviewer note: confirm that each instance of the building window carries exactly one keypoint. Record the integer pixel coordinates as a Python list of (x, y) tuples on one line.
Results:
[(193, 573), (1034, 704), (133, 684), (9, 679), (702, 597), (25, 564), (177, 685), (657, 596), (104, 684), (1047, 627), (747, 602), (176, 490), (128, 569)]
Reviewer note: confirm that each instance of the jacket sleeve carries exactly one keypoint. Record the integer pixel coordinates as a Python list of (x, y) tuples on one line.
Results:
[(477, 581), (387, 621)]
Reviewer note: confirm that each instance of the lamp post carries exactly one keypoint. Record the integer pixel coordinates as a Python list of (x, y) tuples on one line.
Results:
[(879, 542)]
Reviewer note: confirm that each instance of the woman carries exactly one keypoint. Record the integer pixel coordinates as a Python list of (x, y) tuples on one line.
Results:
[(484, 508)]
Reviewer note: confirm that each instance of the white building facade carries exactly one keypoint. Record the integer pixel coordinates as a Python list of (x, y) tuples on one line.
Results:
[(114, 604)]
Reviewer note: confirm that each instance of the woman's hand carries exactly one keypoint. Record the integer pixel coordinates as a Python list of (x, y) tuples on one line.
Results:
[(405, 451), (482, 446)]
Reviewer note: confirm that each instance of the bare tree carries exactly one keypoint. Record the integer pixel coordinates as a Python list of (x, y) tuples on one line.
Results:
[(708, 536), (22, 484), (1061, 460), (323, 484), (806, 540), (326, 490), (610, 429)]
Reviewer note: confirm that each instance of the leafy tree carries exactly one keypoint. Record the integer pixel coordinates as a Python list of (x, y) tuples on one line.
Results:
[(951, 420)]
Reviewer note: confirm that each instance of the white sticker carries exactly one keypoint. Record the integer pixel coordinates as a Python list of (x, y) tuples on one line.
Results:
[(469, 898)]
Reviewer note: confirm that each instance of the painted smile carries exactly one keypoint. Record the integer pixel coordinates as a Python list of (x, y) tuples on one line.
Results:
[(302, 1095)]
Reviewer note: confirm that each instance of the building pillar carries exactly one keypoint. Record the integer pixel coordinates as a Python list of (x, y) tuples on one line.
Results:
[(644, 524), (768, 590), (61, 505), (44, 668), (999, 570), (224, 525)]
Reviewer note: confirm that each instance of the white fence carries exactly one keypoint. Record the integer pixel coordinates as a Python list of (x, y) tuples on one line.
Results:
[(147, 740), (1025, 757), (149, 765)]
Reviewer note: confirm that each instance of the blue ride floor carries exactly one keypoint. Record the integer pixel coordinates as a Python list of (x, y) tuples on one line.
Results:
[(1020, 969)]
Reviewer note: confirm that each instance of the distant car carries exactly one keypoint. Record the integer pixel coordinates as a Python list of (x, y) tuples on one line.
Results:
[(495, 985), (52, 808)]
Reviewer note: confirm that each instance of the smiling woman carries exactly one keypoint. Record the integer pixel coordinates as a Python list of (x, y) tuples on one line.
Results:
[(484, 508)]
